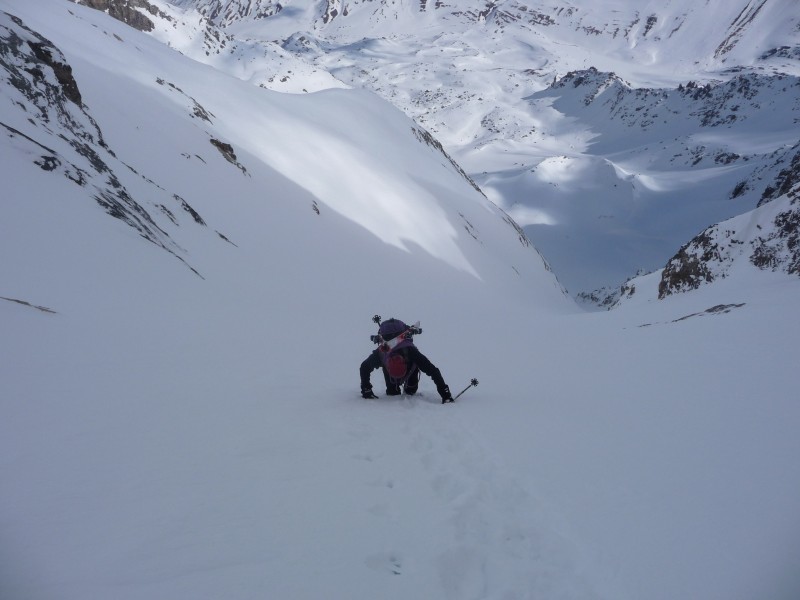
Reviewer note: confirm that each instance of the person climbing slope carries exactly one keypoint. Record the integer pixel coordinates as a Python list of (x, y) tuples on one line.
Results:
[(400, 360)]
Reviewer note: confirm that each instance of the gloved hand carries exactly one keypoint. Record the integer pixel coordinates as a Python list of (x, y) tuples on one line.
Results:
[(366, 392), (444, 392)]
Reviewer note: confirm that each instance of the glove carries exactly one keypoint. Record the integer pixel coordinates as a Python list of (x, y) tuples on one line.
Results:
[(366, 392), (444, 392)]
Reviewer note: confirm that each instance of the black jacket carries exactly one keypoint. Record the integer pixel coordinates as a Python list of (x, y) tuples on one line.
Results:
[(415, 357)]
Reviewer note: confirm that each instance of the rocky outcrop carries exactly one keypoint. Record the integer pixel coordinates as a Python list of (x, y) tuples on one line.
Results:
[(426, 138), (767, 237), (779, 249), (739, 27), (56, 129), (700, 261), (61, 70), (333, 9), (787, 180), (228, 153), (130, 12), (225, 12), (708, 105)]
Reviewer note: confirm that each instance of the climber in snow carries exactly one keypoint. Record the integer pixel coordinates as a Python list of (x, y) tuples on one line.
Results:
[(400, 360)]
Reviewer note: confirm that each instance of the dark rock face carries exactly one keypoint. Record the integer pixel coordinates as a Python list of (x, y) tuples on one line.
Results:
[(40, 74), (768, 237), (787, 181), (126, 11), (62, 71), (331, 11), (708, 105), (779, 250), (689, 268), (228, 153), (225, 12), (56, 129)]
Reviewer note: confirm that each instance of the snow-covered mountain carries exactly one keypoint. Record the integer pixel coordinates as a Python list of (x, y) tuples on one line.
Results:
[(656, 167), (679, 32), (570, 117), (199, 217), (261, 63), (768, 237), (52, 124), (765, 238)]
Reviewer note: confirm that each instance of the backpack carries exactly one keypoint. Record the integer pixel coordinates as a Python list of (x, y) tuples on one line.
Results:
[(396, 365), (395, 336)]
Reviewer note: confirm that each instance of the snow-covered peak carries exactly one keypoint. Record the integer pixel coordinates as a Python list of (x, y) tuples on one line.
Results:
[(532, 98), (679, 37), (767, 237), (260, 62), (225, 12), (347, 153)]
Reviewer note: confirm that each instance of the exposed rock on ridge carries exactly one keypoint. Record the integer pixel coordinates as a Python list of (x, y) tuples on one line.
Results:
[(767, 237), (127, 11), (53, 126)]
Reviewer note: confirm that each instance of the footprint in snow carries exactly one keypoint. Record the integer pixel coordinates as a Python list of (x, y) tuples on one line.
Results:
[(386, 562)]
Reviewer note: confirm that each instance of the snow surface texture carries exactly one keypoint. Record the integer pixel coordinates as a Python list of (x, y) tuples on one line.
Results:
[(190, 263)]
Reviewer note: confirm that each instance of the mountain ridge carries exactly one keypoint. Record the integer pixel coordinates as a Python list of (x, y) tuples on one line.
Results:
[(486, 80), (153, 196)]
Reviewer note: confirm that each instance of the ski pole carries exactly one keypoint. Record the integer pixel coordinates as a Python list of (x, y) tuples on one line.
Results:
[(472, 383)]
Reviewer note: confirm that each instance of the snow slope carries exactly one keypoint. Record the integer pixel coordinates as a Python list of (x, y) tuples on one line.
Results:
[(185, 423)]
